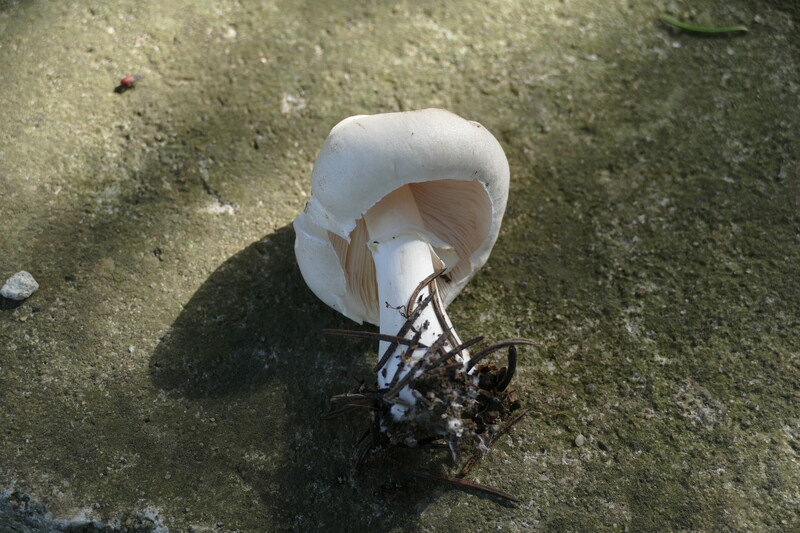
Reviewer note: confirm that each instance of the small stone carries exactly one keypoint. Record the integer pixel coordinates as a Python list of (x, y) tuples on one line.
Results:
[(19, 286), (580, 440)]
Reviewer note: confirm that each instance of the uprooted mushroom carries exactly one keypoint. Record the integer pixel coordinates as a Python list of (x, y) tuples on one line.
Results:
[(404, 209)]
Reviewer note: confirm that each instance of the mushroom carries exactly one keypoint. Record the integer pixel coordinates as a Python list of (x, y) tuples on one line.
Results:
[(404, 209)]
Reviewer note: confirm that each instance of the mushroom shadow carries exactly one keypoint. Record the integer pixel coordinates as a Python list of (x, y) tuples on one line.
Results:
[(255, 326), (253, 307)]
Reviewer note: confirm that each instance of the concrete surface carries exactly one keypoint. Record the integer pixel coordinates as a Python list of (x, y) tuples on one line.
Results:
[(170, 373)]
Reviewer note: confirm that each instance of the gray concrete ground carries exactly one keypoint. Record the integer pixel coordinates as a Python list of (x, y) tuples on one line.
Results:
[(170, 373)]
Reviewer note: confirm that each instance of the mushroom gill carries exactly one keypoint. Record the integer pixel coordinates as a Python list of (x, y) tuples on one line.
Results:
[(457, 212)]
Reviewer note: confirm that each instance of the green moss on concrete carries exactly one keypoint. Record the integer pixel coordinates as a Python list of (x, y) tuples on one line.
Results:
[(170, 368)]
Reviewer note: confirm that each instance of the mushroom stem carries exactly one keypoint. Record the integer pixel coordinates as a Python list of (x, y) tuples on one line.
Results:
[(403, 257)]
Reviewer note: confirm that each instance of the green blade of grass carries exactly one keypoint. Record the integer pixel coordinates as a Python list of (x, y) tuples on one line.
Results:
[(700, 29)]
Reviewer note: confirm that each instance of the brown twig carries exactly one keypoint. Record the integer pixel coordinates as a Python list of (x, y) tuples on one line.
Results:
[(349, 408), (438, 310), (425, 359), (362, 447), (467, 484), (496, 346), (505, 381), (405, 357), (407, 325), (461, 347), (373, 335), (422, 284), (355, 396)]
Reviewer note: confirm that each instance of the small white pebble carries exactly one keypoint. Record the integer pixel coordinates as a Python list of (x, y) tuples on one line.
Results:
[(580, 440), (19, 286), (455, 427)]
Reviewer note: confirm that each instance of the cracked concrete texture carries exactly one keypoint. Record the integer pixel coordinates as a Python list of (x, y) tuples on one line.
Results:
[(169, 373)]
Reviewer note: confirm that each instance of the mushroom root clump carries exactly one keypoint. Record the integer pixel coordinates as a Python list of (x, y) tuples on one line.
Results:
[(404, 209)]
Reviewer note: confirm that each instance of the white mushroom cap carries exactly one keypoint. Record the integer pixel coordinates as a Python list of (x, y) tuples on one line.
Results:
[(457, 172)]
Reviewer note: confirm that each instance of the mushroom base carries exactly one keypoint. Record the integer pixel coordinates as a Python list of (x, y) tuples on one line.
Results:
[(458, 407), (453, 408), (448, 400)]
